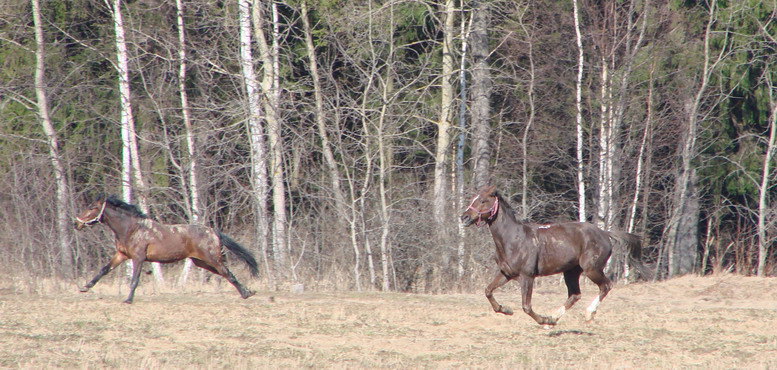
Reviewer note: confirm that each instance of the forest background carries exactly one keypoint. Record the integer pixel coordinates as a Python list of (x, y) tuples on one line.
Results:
[(340, 140)]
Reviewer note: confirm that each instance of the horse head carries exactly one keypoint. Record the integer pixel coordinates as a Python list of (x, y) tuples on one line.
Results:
[(92, 214), (483, 207)]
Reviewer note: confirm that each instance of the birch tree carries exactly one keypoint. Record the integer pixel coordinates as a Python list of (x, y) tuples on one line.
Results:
[(460, 250), (193, 186), (132, 174), (385, 146), (619, 43), (64, 237), (270, 93), (764, 211), (443, 123), (259, 180), (529, 121), (581, 203)]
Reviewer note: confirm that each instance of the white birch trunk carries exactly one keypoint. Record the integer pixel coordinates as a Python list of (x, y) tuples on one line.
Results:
[(640, 157), (384, 163), (443, 123), (579, 105), (63, 222), (255, 132), (763, 200), (605, 127), (527, 129), (460, 248), (271, 93), (193, 186), (130, 153)]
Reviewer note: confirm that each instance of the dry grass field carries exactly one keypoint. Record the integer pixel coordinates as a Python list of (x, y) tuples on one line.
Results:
[(712, 322)]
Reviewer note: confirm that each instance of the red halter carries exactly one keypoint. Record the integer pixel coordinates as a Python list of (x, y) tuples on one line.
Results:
[(492, 211)]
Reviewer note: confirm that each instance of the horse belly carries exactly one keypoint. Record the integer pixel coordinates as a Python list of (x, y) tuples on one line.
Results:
[(555, 268), (163, 254), (558, 257)]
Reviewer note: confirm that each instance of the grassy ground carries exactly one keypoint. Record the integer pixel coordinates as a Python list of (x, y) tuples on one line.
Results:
[(717, 322)]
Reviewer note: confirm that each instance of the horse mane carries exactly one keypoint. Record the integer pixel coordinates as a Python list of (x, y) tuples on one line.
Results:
[(124, 206), (505, 206)]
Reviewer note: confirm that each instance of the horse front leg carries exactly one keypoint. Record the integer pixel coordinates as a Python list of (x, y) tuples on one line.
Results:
[(137, 264), (116, 260), (499, 280), (527, 286)]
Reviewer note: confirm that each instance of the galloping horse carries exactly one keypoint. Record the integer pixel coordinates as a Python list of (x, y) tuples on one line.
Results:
[(140, 239), (525, 251)]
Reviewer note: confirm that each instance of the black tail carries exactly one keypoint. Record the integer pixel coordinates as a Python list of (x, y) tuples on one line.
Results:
[(240, 252), (634, 247)]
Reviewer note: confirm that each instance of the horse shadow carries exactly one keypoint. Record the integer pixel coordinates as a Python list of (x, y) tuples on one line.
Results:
[(558, 333)]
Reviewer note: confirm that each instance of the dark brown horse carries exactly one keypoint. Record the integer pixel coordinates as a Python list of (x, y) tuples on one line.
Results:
[(140, 239), (525, 251)]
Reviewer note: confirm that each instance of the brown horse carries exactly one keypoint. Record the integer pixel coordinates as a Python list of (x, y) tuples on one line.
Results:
[(140, 239), (525, 251)]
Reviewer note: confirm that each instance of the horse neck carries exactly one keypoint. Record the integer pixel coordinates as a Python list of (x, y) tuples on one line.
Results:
[(505, 216), (505, 221), (119, 222)]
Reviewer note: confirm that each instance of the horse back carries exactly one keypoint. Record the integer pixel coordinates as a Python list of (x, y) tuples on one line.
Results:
[(565, 245), (170, 243)]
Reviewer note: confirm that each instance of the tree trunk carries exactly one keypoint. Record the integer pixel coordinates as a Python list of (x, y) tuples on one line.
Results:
[(604, 194), (680, 208), (271, 102), (443, 123), (763, 190), (460, 248), (581, 213), (64, 237), (385, 143), (646, 133), (481, 93), (256, 134), (527, 129), (132, 171), (193, 187), (326, 146)]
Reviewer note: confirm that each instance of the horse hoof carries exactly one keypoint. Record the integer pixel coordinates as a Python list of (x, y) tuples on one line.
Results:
[(247, 294), (549, 321), (589, 317), (83, 289), (506, 310), (128, 301)]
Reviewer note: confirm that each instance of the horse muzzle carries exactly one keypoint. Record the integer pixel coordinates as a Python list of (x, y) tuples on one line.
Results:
[(467, 220), (79, 225)]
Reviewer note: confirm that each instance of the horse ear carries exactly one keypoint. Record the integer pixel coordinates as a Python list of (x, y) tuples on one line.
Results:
[(491, 191)]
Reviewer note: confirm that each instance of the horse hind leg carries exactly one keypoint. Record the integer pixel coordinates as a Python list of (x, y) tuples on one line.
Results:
[(572, 281), (598, 277), (218, 268)]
